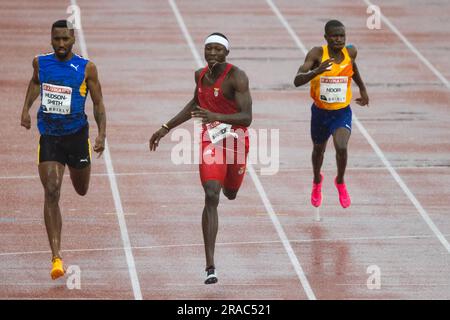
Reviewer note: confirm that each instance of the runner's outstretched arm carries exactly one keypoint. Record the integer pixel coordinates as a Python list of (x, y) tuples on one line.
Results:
[(184, 115), (364, 99), (95, 88), (181, 117), (33, 91)]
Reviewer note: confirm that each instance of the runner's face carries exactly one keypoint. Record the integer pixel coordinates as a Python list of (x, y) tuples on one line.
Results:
[(336, 38), (62, 42), (215, 53)]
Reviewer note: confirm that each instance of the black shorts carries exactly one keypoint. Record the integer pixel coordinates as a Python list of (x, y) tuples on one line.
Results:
[(73, 150)]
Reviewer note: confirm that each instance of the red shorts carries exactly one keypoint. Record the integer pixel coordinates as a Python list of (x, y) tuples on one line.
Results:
[(224, 161)]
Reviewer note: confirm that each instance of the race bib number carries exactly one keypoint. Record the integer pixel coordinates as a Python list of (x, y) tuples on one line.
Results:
[(218, 131), (333, 89), (56, 99)]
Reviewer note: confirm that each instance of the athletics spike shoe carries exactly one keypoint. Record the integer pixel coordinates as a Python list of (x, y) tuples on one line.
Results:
[(57, 268), (344, 197), (316, 194), (211, 276)]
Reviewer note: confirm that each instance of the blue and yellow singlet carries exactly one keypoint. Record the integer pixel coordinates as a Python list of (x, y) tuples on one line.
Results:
[(63, 95)]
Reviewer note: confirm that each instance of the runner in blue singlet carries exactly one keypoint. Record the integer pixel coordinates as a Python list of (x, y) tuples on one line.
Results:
[(63, 80)]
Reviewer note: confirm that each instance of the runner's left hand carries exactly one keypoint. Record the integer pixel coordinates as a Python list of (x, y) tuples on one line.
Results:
[(207, 116), (25, 120), (99, 146), (364, 99), (158, 135)]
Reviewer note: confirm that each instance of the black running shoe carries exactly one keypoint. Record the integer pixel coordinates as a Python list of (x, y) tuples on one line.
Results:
[(211, 276)]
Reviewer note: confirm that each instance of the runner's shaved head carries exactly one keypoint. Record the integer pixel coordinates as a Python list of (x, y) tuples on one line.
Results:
[(333, 24), (63, 24)]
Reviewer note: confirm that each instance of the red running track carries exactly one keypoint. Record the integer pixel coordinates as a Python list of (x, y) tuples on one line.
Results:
[(146, 69)]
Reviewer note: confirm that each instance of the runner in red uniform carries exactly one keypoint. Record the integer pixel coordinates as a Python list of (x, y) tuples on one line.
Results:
[(222, 101)]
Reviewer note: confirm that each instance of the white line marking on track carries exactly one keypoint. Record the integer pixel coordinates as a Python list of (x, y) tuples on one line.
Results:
[(374, 145), (412, 47), (285, 23), (294, 260), (116, 195), (245, 243), (399, 285), (164, 173), (224, 285), (404, 187)]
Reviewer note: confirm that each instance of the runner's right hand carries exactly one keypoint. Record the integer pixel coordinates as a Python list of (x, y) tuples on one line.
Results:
[(324, 66), (154, 140), (25, 120)]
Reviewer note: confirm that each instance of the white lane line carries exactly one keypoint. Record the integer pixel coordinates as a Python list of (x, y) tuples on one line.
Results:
[(116, 195), (412, 47), (294, 260), (186, 33), (405, 188), (285, 23), (398, 285), (287, 245), (242, 243), (165, 173), (383, 158)]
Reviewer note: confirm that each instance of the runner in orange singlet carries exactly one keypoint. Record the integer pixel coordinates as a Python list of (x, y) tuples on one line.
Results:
[(330, 69)]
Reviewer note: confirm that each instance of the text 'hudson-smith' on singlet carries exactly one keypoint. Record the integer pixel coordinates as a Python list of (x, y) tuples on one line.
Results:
[(331, 90), (63, 95)]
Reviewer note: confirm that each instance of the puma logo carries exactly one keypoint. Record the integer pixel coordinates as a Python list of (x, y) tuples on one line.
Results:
[(75, 67)]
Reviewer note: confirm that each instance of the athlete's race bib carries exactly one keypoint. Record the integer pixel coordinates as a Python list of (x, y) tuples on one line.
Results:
[(218, 131), (333, 89), (56, 99)]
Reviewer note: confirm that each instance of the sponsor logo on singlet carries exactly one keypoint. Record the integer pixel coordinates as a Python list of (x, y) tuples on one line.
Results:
[(333, 89), (56, 99)]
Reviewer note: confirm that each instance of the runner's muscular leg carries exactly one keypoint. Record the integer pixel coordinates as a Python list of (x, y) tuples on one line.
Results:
[(340, 138), (233, 179), (80, 179), (51, 174), (317, 159), (210, 218)]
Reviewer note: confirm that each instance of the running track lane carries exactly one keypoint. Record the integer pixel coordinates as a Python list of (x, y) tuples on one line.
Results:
[(378, 233), (416, 274), (153, 86), (336, 252), (91, 237)]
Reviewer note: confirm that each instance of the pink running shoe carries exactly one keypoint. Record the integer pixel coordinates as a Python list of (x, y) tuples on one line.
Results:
[(344, 197), (316, 194)]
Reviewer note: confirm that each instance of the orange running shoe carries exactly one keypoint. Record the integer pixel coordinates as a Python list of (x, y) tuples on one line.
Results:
[(316, 194), (57, 268)]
